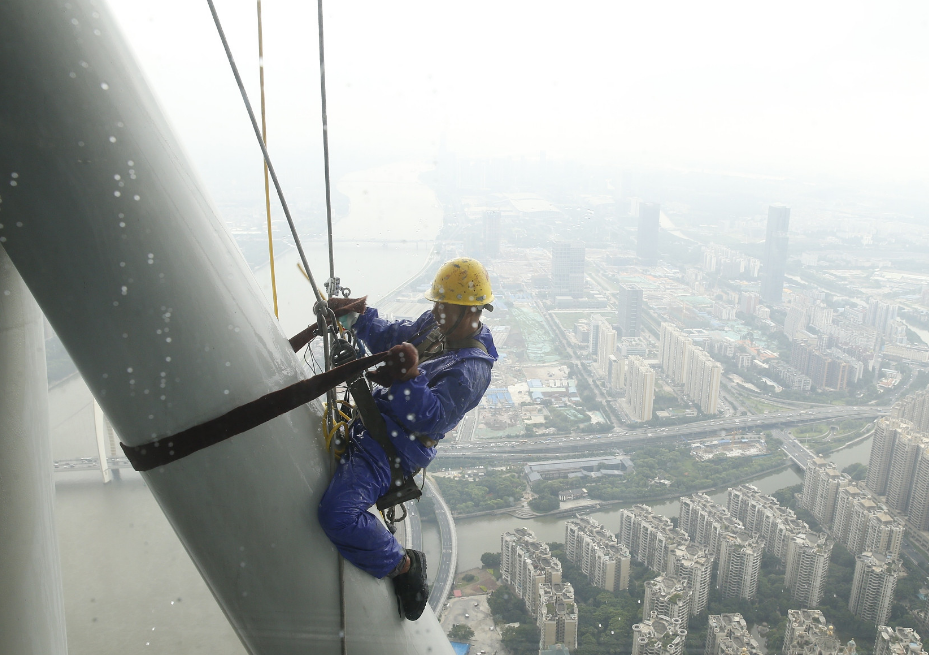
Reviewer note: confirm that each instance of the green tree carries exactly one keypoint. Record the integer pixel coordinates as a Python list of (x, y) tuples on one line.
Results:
[(461, 632), (490, 561)]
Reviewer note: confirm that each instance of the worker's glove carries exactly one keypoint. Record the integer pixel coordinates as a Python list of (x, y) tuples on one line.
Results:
[(399, 366), (347, 310), (342, 306)]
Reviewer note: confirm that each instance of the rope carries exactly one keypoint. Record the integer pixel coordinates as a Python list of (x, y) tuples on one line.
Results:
[(322, 92), (264, 151), (264, 135)]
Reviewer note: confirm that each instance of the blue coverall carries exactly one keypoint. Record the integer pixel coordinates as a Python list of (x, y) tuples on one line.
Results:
[(447, 387)]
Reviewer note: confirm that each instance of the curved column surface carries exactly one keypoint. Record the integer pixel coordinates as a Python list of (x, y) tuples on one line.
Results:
[(32, 615), (108, 226)]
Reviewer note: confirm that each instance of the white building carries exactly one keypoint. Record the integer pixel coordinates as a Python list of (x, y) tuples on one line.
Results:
[(807, 565), (658, 635), (808, 633), (902, 641), (557, 615), (640, 389), (739, 565), (598, 554), (526, 563), (727, 634), (668, 596), (873, 586)]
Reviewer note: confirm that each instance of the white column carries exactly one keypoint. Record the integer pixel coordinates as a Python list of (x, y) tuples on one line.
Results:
[(32, 617)]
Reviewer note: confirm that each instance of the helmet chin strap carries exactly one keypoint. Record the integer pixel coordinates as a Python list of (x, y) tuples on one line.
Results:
[(467, 310)]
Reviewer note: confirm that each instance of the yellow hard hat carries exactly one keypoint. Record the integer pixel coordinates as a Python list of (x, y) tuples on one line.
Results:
[(461, 281)]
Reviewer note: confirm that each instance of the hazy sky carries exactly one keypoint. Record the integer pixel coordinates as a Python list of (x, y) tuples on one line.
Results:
[(794, 87)]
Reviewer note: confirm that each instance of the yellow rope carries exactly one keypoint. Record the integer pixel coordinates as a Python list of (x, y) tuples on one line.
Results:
[(264, 135)]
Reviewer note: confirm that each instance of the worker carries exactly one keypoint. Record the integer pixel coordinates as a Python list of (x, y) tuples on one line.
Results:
[(425, 390)]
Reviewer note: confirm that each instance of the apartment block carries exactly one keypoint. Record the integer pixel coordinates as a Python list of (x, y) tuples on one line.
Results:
[(808, 633), (913, 408), (526, 563), (658, 635), (862, 523), (807, 565), (763, 516), (597, 553), (650, 538), (899, 641), (728, 634), (821, 484), (668, 596), (694, 565), (739, 565), (705, 521), (886, 431), (557, 615), (688, 364), (640, 389), (629, 311), (873, 586)]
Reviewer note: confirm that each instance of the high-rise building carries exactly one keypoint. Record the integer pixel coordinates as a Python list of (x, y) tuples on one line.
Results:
[(568, 269), (821, 484), (882, 449), (658, 635), (616, 372), (640, 389), (808, 632), (597, 553), (690, 365), (881, 315), (702, 383), (650, 538), (647, 237), (749, 302), (526, 563), (807, 565), (775, 254), (915, 409), (673, 347), (728, 634), (902, 641), (901, 481), (668, 596), (606, 346), (692, 564), (492, 233), (764, 517), (705, 522), (739, 565), (557, 615), (873, 586), (629, 311), (862, 523)]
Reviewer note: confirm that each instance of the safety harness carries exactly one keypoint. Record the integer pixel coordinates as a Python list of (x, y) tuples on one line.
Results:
[(349, 370)]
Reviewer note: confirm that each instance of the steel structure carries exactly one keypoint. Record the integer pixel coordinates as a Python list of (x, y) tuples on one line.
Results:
[(112, 232)]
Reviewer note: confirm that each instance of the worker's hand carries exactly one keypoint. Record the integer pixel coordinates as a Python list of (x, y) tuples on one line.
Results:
[(400, 366), (343, 306)]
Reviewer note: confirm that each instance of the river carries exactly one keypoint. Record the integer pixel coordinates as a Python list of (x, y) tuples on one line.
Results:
[(482, 534)]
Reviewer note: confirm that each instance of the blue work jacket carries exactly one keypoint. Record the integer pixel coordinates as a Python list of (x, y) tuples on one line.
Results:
[(448, 387)]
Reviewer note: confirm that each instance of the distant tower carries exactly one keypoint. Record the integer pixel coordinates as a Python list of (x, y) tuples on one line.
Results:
[(647, 236), (775, 254), (567, 269), (629, 310), (491, 245)]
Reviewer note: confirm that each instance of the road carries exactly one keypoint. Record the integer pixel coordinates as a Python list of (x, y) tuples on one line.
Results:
[(448, 563), (620, 437), (797, 452)]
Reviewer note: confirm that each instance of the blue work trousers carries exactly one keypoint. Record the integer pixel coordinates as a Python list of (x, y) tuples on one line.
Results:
[(362, 476)]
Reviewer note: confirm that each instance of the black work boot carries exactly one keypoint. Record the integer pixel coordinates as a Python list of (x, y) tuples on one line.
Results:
[(410, 587)]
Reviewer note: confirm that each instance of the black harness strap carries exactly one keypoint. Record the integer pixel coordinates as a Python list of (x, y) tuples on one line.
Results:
[(241, 419)]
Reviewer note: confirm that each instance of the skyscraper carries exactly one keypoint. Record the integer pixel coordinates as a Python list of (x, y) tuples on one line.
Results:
[(492, 232), (739, 565), (568, 269), (668, 596), (647, 237), (807, 565), (775, 254), (902, 641), (630, 310)]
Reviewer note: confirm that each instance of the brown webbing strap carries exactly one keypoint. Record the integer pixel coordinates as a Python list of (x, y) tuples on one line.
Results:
[(241, 419)]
